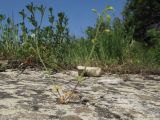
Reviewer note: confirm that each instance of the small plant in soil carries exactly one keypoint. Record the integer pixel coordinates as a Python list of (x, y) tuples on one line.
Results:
[(63, 97)]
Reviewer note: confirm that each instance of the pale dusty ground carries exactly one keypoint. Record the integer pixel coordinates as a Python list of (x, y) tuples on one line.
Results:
[(109, 97)]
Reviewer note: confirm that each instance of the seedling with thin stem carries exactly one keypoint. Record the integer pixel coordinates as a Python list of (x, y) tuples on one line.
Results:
[(64, 98)]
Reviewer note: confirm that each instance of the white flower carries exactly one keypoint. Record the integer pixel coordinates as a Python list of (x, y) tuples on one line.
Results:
[(33, 35)]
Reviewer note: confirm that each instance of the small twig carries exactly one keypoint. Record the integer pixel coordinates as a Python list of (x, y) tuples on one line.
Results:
[(58, 93)]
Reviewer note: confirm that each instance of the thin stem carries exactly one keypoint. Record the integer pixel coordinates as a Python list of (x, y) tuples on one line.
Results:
[(37, 47), (38, 52), (92, 50), (58, 93), (72, 91)]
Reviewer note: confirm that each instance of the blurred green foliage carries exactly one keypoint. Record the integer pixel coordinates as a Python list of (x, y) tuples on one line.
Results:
[(52, 46)]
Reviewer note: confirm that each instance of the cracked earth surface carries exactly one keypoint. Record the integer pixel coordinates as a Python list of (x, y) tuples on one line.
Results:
[(29, 96)]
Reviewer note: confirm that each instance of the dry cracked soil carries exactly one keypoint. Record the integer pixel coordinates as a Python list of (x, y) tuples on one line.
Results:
[(29, 96)]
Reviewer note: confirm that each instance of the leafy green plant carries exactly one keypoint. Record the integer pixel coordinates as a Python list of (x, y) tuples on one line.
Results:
[(154, 35), (43, 42), (9, 37)]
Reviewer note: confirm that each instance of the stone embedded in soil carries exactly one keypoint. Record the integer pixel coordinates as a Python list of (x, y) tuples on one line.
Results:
[(4, 95), (60, 112), (89, 71), (71, 117), (104, 112), (83, 110)]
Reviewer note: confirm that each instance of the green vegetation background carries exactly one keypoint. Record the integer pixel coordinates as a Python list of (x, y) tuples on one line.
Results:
[(130, 45)]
